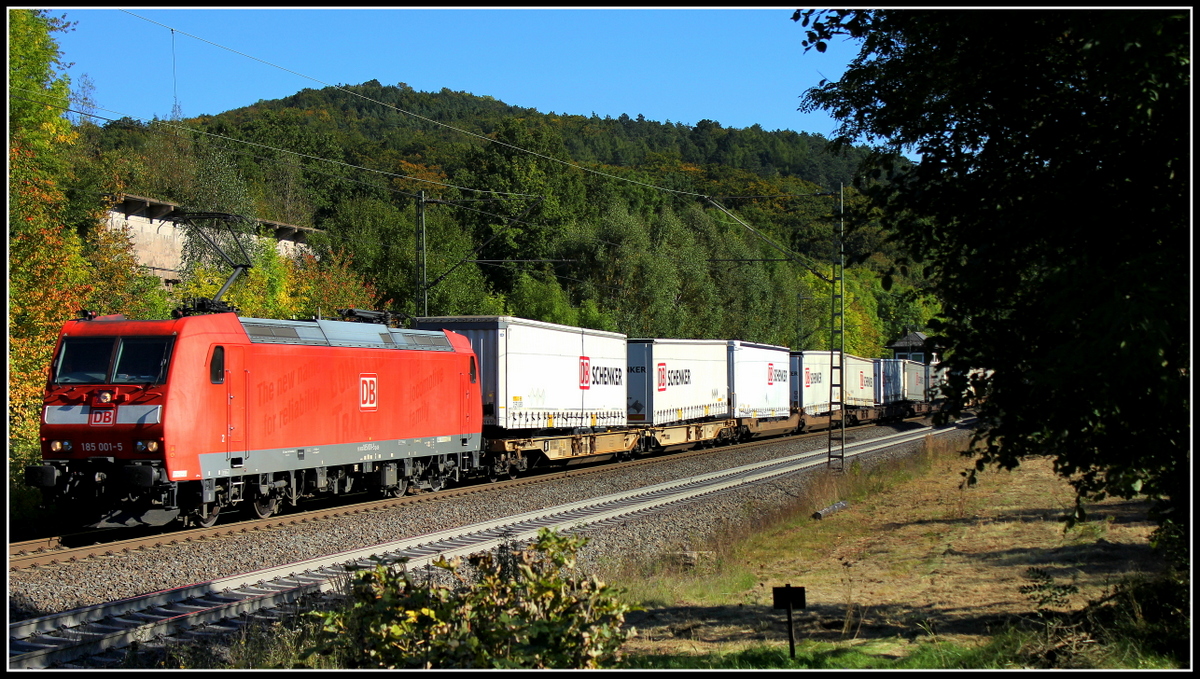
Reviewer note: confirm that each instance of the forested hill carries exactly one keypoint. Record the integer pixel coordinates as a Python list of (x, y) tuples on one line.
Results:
[(601, 222), (623, 141)]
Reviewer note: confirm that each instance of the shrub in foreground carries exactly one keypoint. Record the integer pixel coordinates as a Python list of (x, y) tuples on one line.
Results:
[(527, 608)]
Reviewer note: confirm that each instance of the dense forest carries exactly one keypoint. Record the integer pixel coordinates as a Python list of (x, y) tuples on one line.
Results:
[(646, 228)]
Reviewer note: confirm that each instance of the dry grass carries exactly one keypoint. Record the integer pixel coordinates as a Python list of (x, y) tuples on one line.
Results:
[(914, 555)]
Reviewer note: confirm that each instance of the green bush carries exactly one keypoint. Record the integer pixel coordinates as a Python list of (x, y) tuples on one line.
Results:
[(524, 609)]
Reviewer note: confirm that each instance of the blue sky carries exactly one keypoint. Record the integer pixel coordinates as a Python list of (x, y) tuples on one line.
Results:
[(735, 66)]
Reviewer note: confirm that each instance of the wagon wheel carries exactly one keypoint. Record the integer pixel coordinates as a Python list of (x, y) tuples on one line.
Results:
[(502, 468), (214, 510), (264, 506)]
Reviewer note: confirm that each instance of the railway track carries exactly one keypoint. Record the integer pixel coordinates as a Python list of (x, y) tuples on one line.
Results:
[(50, 551), (72, 635)]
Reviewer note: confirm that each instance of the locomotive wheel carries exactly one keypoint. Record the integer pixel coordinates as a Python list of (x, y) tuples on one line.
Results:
[(398, 490), (436, 482), (214, 511), (512, 471), (264, 506)]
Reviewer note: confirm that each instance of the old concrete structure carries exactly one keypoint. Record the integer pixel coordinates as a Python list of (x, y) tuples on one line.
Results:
[(158, 239)]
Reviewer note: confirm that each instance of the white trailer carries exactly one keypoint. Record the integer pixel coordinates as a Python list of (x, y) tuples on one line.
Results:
[(858, 381), (937, 378), (915, 381), (677, 380), (889, 380), (810, 379), (537, 375), (759, 380)]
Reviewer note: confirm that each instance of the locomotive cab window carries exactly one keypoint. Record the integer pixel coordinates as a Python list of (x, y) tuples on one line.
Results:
[(216, 366), (114, 360), (472, 370), (84, 360), (142, 360)]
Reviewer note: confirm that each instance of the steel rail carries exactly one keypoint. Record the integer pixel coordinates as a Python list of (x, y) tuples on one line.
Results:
[(52, 551)]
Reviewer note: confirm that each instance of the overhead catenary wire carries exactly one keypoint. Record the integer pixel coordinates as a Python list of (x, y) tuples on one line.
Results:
[(772, 243), (453, 203), (418, 179)]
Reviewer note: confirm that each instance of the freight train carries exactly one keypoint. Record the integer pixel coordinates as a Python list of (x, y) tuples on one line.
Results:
[(161, 421)]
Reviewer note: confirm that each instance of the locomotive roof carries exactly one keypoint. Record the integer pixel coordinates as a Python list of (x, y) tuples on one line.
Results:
[(327, 333)]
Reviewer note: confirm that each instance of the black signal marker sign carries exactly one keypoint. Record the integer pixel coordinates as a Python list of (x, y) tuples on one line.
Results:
[(789, 598)]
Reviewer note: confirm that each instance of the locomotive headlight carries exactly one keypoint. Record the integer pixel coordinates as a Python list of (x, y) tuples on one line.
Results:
[(144, 446), (105, 397), (60, 446)]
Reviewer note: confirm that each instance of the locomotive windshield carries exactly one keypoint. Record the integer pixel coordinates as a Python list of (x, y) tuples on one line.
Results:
[(113, 360)]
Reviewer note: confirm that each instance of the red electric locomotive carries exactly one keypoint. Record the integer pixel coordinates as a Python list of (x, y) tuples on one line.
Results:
[(146, 422)]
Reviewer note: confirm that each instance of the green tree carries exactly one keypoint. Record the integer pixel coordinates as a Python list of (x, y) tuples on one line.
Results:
[(1051, 204), (48, 277), (535, 197)]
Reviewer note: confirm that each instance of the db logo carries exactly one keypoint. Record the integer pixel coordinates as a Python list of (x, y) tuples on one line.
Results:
[(585, 372), (368, 391), (662, 376), (770, 374), (103, 418)]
